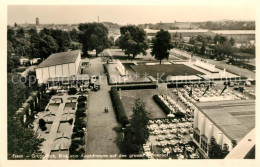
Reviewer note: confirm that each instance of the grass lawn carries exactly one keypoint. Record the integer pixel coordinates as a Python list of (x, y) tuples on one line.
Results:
[(69, 106), (128, 99), (64, 127), (53, 106), (165, 70)]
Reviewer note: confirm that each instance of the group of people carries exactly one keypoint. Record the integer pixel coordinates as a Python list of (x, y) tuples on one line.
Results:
[(106, 109)]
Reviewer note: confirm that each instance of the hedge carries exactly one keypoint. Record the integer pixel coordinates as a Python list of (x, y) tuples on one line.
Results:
[(82, 98), (163, 106), (81, 105), (72, 91), (136, 86), (108, 75), (118, 107)]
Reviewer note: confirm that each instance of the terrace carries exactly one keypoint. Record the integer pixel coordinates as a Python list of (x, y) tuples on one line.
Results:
[(59, 118)]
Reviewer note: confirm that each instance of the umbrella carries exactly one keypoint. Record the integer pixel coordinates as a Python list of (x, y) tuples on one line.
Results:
[(171, 115)]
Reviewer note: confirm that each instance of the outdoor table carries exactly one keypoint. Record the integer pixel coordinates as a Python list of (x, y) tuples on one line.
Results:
[(194, 156), (163, 143), (173, 142), (181, 157)]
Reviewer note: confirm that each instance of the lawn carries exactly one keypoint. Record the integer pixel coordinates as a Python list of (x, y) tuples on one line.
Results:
[(53, 106), (69, 106), (64, 127), (128, 99), (165, 70)]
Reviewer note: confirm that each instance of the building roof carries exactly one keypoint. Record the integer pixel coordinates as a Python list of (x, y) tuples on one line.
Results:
[(233, 32), (235, 118), (179, 31), (60, 58)]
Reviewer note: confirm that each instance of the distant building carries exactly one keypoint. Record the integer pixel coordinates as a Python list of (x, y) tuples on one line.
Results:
[(37, 21), (62, 64), (224, 120), (240, 36)]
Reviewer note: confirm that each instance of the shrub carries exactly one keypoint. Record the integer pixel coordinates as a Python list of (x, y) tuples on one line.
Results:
[(82, 98), (119, 109), (81, 114), (53, 92), (73, 147), (79, 121), (163, 106), (72, 91), (42, 123), (81, 105), (79, 141), (44, 128), (78, 134), (70, 121), (179, 114)]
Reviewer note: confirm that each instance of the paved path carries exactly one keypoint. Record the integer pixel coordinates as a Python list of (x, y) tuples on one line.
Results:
[(101, 138)]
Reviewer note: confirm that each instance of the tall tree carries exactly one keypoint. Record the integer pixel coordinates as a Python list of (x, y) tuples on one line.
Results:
[(133, 40), (161, 45), (216, 151), (203, 49), (74, 35), (22, 141), (137, 133), (232, 41), (93, 36), (43, 46)]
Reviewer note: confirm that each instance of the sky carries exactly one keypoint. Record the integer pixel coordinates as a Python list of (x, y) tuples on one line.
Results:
[(123, 14)]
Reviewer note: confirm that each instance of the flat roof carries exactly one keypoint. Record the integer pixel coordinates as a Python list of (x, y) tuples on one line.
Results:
[(235, 118), (179, 31), (60, 58), (233, 32)]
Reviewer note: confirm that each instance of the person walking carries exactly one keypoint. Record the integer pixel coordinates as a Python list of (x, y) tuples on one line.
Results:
[(105, 109)]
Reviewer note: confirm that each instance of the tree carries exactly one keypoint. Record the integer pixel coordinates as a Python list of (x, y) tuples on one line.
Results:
[(22, 141), (43, 46), (191, 40), (133, 40), (16, 61), (216, 38), (62, 38), (137, 133), (203, 49), (222, 39), (74, 35), (10, 64), (234, 143), (161, 45), (10, 35), (93, 36), (215, 151), (20, 33), (232, 41)]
